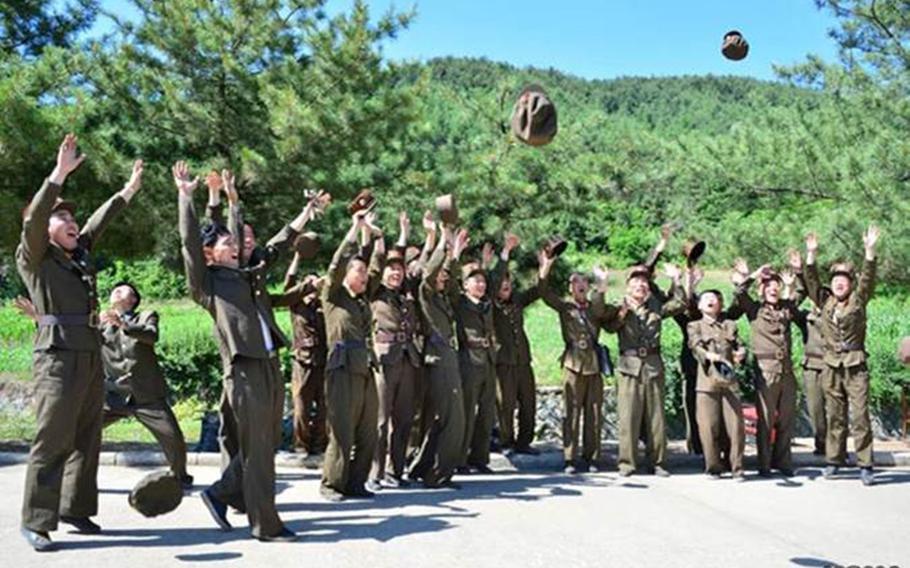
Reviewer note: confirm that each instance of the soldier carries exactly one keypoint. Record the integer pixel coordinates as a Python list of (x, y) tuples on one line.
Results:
[(395, 324), (715, 343), (135, 383), (53, 259), (846, 377), (513, 362), (351, 399), (640, 384), (477, 363), (580, 319), (775, 382), (248, 341), (308, 350), (441, 450)]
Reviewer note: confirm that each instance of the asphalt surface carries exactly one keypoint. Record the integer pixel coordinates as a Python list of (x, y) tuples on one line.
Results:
[(503, 520)]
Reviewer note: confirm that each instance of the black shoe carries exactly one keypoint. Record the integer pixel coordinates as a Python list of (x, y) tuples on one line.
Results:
[(463, 470), (286, 535), (448, 484), (374, 486), (764, 473), (360, 493), (830, 471), (394, 482), (570, 468), (527, 450), (186, 481), (330, 494), (866, 476), (84, 525), (216, 508), (713, 475), (483, 468), (786, 472), (39, 540)]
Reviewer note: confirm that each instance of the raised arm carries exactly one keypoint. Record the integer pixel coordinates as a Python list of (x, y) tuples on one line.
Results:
[(193, 260), (103, 216), (346, 250), (145, 330), (550, 297), (813, 283), (376, 266), (675, 301), (866, 285)]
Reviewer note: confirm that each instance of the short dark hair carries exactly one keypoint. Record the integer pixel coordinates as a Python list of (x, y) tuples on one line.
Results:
[(714, 291), (212, 232), (133, 290)]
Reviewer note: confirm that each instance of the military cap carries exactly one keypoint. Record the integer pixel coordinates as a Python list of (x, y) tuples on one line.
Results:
[(307, 245), (903, 351), (534, 117), (843, 269), (769, 276), (735, 46), (555, 246), (639, 270), (726, 370), (60, 204), (692, 251), (363, 200), (157, 493), (447, 209)]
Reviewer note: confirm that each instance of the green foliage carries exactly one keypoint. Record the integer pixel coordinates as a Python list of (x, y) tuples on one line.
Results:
[(153, 278)]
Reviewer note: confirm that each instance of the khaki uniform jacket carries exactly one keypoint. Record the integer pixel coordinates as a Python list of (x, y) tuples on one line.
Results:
[(396, 318), (347, 318), (580, 328), (57, 284), (509, 322), (843, 323), (441, 345), (639, 329), (128, 355), (810, 326), (771, 330), (713, 336), (308, 344), (228, 294)]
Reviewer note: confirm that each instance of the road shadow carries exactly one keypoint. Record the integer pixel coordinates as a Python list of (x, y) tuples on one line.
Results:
[(209, 557), (813, 562)]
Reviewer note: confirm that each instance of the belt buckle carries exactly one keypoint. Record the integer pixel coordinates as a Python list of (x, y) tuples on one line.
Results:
[(779, 354), (401, 337), (583, 344), (642, 352)]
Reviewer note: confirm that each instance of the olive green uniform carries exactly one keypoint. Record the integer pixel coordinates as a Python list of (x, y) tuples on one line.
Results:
[(513, 365), (395, 323), (136, 384), (717, 399), (61, 477), (813, 365), (351, 398), (441, 450), (248, 340), (308, 350), (640, 382), (774, 379), (845, 377), (583, 389)]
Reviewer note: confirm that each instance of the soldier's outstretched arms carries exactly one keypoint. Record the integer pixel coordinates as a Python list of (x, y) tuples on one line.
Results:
[(545, 266), (814, 288), (190, 239), (103, 216), (866, 284), (346, 250)]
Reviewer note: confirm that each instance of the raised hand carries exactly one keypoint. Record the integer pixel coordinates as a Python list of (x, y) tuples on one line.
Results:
[(870, 238), (230, 189), (544, 263), (760, 271), (461, 243), (429, 225), (404, 223), (511, 242), (182, 180), (672, 271), (486, 255), (111, 317), (741, 267), (601, 276), (666, 231), (795, 260), (696, 275), (68, 159), (135, 181), (812, 243), (788, 277)]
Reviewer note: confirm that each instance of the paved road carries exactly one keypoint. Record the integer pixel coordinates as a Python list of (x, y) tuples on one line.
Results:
[(504, 520)]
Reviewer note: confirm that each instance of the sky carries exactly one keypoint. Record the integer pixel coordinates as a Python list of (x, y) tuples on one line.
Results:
[(602, 39)]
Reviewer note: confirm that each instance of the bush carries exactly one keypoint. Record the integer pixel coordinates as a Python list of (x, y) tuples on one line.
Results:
[(153, 278)]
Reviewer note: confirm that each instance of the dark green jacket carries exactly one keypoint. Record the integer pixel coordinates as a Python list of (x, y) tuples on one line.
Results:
[(130, 362)]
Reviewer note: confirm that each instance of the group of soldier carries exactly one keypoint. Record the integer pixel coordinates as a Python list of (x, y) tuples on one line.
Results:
[(404, 357)]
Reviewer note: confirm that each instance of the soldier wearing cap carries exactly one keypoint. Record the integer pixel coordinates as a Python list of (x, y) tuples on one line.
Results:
[(477, 362), (395, 325), (845, 376), (53, 259), (640, 384), (771, 320), (248, 341), (441, 450), (135, 382), (308, 359), (513, 362), (580, 318), (351, 397), (715, 343)]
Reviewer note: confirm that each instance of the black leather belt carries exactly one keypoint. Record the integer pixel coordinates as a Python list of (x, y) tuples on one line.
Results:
[(75, 320), (641, 352), (847, 347), (479, 343), (392, 337), (778, 355)]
